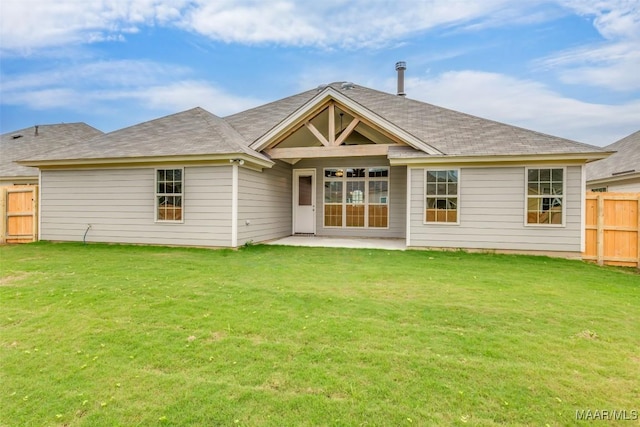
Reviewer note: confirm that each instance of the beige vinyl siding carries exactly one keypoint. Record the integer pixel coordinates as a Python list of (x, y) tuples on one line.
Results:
[(120, 206), (264, 199), (397, 197), (492, 213)]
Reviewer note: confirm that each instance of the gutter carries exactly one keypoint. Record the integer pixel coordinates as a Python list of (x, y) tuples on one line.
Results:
[(577, 158), (250, 162)]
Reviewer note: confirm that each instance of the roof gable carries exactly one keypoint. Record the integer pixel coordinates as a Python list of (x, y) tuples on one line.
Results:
[(324, 99)]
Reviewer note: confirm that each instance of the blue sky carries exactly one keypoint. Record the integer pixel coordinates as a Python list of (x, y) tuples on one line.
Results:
[(564, 67)]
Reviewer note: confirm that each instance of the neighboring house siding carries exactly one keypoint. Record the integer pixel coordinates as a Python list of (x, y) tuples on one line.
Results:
[(492, 213), (622, 186), (264, 199), (397, 197), (16, 180), (120, 206)]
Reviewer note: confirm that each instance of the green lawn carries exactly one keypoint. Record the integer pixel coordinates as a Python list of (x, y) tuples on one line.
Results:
[(106, 335)]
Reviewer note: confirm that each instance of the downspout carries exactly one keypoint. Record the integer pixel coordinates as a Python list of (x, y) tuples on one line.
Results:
[(39, 210), (234, 204), (408, 214), (583, 207)]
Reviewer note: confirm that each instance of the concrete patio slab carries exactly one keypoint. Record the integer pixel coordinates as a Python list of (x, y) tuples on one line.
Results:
[(341, 242)]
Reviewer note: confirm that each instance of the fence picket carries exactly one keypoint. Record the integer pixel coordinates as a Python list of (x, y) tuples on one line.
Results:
[(612, 229)]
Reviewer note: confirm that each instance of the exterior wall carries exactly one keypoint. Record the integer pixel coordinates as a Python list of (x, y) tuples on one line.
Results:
[(397, 197), (619, 186), (120, 206), (264, 200), (492, 213)]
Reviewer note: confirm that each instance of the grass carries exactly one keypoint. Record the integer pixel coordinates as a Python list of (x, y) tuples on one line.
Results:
[(105, 335)]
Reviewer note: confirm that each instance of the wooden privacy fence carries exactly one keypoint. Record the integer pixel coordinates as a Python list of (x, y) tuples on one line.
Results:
[(19, 209), (612, 234)]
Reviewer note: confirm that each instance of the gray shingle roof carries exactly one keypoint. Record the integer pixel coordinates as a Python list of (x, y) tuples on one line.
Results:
[(49, 137), (198, 132), (626, 158), (254, 123), (191, 132), (451, 132)]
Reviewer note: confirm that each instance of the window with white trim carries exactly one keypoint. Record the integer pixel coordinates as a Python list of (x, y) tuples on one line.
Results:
[(356, 197), (441, 195), (169, 187), (545, 196)]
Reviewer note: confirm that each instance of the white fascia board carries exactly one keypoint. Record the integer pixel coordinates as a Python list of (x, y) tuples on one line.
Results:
[(614, 178), (330, 93), (575, 158), (583, 207), (250, 161)]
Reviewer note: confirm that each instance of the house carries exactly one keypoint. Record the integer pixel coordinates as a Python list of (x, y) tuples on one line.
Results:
[(621, 171), (32, 141), (339, 160)]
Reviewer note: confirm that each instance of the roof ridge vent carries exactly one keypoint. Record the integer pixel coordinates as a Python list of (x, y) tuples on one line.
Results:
[(322, 87), (347, 85)]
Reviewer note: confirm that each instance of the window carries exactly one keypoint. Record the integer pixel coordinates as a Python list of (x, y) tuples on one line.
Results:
[(441, 196), (356, 197), (169, 195), (545, 196)]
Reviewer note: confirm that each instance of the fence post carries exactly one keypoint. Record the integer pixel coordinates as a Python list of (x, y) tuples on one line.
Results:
[(600, 230), (35, 207), (638, 235), (3, 215)]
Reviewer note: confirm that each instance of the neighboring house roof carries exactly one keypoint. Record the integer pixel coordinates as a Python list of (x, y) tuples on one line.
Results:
[(189, 133), (29, 142), (428, 130), (624, 163)]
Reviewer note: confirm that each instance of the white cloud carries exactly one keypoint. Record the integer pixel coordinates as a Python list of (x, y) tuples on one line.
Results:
[(120, 73), (525, 103), (332, 23), (137, 84), (614, 19), (191, 93), (27, 25), (612, 63)]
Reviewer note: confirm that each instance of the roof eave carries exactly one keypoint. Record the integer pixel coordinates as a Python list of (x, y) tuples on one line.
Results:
[(577, 158), (18, 177), (284, 126), (251, 162), (613, 178)]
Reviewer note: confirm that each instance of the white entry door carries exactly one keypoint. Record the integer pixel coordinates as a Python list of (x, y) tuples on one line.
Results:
[(304, 201)]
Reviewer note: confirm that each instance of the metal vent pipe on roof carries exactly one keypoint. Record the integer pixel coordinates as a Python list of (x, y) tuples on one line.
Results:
[(400, 67)]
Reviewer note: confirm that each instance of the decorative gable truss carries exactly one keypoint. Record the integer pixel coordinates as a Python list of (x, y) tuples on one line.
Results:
[(333, 126)]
